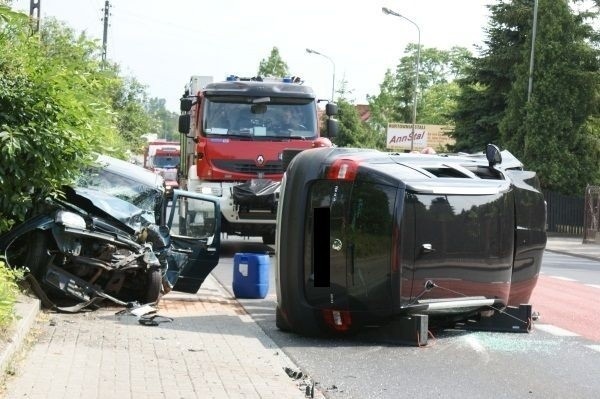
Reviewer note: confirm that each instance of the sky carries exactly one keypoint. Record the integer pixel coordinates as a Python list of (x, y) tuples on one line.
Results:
[(163, 43)]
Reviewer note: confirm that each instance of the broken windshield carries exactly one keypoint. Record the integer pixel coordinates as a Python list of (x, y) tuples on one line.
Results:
[(278, 118)]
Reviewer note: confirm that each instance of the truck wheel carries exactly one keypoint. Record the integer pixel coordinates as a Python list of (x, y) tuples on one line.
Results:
[(153, 287), (287, 156), (269, 238)]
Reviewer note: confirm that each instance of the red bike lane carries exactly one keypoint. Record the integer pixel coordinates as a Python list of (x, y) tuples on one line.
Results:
[(570, 305)]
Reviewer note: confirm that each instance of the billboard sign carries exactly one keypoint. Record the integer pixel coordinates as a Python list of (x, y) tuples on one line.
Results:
[(399, 136)]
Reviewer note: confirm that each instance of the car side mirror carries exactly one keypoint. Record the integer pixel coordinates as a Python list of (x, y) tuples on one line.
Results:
[(492, 153), (184, 124)]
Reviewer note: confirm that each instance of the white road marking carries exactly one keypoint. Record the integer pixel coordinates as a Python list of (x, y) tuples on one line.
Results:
[(560, 332), (563, 278), (593, 285), (594, 347)]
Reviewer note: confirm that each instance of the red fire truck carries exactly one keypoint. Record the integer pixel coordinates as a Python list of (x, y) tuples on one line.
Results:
[(234, 134), (162, 157)]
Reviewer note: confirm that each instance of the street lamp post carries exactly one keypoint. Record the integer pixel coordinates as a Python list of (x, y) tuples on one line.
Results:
[(534, 29), (414, 113), (310, 51)]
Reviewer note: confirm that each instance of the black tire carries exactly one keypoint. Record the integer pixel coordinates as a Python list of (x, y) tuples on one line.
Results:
[(153, 287), (280, 321), (287, 156), (37, 255)]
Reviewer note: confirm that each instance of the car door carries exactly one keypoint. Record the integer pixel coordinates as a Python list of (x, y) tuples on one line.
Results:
[(195, 226)]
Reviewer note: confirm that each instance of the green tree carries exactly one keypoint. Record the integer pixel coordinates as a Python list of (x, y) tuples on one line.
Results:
[(556, 120), (166, 121), (57, 107), (488, 79), (128, 100), (352, 132), (438, 69), (273, 66), (560, 120)]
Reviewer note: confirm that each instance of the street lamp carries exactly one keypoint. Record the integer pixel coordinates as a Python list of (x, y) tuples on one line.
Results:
[(534, 29), (310, 51), (414, 113)]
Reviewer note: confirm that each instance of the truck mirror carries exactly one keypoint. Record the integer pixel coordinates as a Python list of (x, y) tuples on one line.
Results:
[(184, 124), (185, 104), (332, 127), (331, 109)]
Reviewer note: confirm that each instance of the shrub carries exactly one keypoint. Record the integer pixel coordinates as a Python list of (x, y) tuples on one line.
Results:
[(8, 294)]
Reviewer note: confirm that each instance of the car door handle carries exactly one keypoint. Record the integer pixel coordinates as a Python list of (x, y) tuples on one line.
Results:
[(427, 248)]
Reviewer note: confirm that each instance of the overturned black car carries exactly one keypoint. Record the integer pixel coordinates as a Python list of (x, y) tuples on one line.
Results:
[(380, 236), (108, 237)]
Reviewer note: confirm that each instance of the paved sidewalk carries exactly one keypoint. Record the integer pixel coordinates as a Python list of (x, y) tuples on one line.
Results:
[(573, 246), (212, 349)]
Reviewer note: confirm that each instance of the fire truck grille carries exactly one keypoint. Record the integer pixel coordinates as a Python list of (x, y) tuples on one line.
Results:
[(249, 167)]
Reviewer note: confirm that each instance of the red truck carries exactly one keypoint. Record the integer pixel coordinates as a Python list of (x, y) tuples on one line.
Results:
[(234, 134), (163, 157)]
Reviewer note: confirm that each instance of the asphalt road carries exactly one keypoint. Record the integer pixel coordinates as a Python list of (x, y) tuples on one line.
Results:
[(559, 358)]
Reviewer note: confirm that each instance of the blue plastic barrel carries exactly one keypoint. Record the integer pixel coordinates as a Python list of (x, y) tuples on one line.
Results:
[(250, 275)]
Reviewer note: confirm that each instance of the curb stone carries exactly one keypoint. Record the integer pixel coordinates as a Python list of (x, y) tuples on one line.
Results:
[(26, 310)]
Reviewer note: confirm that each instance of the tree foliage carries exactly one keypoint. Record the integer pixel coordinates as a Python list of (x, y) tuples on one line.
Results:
[(555, 133), (58, 105), (484, 88), (274, 65), (353, 132), (165, 121), (435, 102)]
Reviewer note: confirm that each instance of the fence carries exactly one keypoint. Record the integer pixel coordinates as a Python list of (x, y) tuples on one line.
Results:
[(565, 214)]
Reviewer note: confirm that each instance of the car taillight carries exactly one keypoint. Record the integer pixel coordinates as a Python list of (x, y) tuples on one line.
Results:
[(343, 169), (338, 320)]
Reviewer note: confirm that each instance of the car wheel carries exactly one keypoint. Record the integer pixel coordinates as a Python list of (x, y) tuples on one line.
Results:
[(153, 287), (37, 255), (280, 321)]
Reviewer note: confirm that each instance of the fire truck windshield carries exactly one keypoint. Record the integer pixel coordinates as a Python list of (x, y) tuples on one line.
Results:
[(166, 161), (279, 118)]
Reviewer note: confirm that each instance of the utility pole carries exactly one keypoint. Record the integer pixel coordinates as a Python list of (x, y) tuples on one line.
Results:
[(34, 15), (106, 10)]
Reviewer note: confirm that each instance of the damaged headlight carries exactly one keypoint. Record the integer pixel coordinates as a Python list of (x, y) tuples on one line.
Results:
[(70, 219)]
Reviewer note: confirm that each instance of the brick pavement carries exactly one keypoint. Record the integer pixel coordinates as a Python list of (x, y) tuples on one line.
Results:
[(212, 349)]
